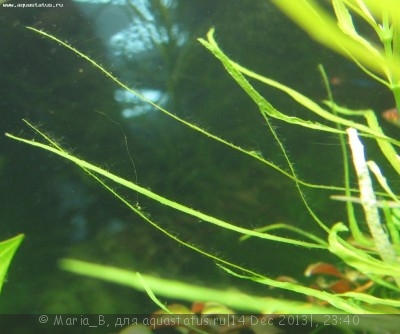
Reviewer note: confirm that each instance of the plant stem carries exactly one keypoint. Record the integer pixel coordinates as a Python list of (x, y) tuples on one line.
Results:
[(369, 202)]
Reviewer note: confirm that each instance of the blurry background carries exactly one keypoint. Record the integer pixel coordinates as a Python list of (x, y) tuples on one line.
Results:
[(153, 47)]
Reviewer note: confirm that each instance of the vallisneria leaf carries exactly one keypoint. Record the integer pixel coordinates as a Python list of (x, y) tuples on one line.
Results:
[(322, 27), (341, 35), (7, 251), (158, 198), (184, 291), (345, 22), (336, 301), (357, 258)]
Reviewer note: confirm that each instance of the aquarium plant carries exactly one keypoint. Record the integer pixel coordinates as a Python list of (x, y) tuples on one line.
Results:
[(369, 244), (7, 251)]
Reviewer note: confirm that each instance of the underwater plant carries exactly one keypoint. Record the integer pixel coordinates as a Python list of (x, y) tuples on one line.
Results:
[(373, 255), (7, 251)]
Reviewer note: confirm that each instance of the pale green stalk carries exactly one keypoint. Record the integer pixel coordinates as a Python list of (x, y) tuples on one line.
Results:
[(178, 290), (355, 230)]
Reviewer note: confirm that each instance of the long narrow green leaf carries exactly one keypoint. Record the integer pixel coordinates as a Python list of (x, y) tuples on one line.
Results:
[(266, 110), (192, 126), (357, 258), (161, 199), (265, 107), (190, 292), (372, 299), (236, 71), (321, 26), (336, 301), (7, 251), (345, 22)]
